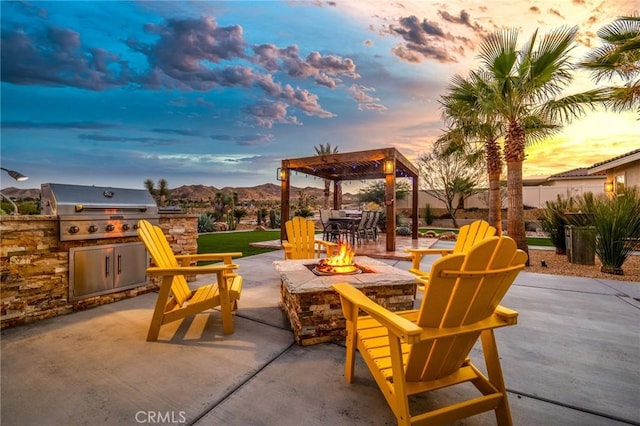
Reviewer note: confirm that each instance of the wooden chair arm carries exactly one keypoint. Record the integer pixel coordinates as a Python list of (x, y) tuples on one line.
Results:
[(502, 317), (206, 256), (189, 270), (329, 246), (416, 255), (506, 313), (399, 326), (288, 249), (428, 251)]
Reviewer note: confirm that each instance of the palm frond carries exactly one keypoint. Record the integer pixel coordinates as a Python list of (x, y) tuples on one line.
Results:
[(498, 52), (623, 98), (569, 107)]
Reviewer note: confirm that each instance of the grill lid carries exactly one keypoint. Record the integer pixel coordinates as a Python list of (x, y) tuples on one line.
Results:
[(63, 199)]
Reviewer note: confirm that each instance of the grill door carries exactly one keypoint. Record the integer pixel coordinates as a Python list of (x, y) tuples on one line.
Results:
[(130, 264), (106, 269)]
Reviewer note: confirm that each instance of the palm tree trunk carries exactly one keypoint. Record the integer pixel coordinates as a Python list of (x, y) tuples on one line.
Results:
[(495, 203), (494, 169), (514, 156)]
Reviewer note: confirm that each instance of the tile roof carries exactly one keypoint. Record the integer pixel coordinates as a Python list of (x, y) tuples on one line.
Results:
[(579, 172), (628, 154)]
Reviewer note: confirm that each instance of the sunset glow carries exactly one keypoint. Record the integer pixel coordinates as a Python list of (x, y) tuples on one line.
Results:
[(218, 93)]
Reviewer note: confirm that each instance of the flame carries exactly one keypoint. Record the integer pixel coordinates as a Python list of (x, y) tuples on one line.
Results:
[(340, 263), (344, 256)]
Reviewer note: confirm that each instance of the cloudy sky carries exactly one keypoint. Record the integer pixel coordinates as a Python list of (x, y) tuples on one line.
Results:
[(218, 93)]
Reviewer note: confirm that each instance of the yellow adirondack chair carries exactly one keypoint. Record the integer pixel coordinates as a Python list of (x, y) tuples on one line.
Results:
[(301, 240), (468, 236), (413, 352), (175, 299)]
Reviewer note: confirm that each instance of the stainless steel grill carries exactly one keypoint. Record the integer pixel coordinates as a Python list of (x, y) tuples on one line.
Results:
[(94, 212), (90, 213)]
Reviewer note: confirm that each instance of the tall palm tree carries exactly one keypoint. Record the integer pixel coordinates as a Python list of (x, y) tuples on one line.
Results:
[(619, 55), (470, 126), (524, 85), (326, 150)]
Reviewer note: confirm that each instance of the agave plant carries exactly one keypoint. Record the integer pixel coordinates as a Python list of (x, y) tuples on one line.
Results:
[(205, 223), (617, 222), (553, 221)]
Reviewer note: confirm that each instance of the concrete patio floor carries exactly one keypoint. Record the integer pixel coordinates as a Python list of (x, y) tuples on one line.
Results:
[(571, 360)]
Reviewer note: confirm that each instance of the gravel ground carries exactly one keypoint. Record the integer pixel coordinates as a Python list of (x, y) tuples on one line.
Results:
[(559, 265)]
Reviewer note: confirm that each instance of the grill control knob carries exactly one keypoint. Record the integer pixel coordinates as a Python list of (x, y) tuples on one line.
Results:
[(110, 227), (135, 226), (93, 228), (125, 227), (74, 229)]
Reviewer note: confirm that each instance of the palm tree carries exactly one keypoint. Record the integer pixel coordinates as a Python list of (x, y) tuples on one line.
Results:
[(470, 126), (523, 85), (619, 56), (326, 150)]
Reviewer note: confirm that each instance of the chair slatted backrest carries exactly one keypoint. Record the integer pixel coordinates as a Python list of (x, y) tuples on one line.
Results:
[(302, 234), (471, 234), (462, 289), (162, 255), (325, 214), (364, 219)]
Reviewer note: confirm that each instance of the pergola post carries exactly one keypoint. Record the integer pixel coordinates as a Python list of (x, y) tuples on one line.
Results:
[(285, 192), (336, 195), (414, 208), (390, 201)]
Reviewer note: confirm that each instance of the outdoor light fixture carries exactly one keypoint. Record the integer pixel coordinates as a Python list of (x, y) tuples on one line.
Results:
[(19, 177), (16, 175), (608, 187), (281, 174), (388, 167)]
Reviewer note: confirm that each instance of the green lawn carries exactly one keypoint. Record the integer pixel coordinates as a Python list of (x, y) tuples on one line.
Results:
[(236, 241)]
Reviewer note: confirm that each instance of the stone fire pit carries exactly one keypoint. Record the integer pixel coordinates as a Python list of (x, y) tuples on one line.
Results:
[(313, 307)]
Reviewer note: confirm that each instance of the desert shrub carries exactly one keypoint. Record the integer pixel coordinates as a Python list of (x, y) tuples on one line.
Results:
[(429, 217), (205, 223), (553, 221), (617, 223), (403, 230)]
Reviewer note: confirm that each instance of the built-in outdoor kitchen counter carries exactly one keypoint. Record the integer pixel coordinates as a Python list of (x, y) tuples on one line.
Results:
[(34, 265)]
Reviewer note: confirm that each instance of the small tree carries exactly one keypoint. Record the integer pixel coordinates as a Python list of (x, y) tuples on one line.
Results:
[(375, 192), (303, 207), (446, 176), (159, 194)]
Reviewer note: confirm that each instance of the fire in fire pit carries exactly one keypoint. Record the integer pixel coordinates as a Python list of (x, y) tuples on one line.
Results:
[(340, 264)]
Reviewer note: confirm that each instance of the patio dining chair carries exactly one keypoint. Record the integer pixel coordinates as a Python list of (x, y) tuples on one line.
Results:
[(418, 351), (175, 299), (301, 240)]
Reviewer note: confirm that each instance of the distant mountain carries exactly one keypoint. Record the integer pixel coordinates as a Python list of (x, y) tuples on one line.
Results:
[(267, 191), (21, 194)]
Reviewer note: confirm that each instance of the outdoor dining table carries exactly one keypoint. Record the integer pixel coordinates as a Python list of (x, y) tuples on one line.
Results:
[(348, 223)]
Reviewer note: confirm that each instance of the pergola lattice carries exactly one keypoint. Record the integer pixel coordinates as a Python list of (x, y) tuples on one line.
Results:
[(386, 163)]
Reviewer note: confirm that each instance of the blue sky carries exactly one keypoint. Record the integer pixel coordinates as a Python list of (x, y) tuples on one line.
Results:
[(218, 93)]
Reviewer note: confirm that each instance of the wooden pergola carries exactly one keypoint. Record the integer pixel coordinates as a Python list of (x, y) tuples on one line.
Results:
[(386, 163)]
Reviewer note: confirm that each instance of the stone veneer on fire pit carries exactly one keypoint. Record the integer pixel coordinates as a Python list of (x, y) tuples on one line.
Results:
[(314, 309)]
